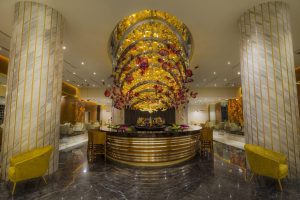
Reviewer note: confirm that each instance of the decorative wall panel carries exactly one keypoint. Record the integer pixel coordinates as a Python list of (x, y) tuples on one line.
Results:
[(34, 83), (268, 81), (235, 111)]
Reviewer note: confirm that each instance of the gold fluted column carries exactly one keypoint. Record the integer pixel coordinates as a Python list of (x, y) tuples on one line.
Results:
[(34, 83), (268, 81)]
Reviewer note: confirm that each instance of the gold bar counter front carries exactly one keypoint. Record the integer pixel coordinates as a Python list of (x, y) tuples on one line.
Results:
[(151, 148)]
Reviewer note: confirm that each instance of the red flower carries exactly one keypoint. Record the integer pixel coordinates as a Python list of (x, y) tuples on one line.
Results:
[(107, 93), (189, 73), (129, 79), (160, 60), (163, 52)]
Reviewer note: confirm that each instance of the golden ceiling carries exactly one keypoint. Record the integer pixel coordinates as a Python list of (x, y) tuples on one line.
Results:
[(150, 53)]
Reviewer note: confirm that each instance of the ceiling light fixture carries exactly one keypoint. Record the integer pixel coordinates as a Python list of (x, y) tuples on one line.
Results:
[(82, 63), (215, 73), (68, 80), (64, 47), (239, 73), (94, 73), (225, 79), (159, 48), (85, 80), (74, 73), (215, 85), (228, 63)]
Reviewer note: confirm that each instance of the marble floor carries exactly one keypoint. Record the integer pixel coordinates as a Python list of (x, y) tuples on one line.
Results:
[(230, 139), (218, 176), (68, 143)]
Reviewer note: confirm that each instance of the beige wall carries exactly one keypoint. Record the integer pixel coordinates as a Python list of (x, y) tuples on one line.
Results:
[(222, 92), (2, 91), (197, 114)]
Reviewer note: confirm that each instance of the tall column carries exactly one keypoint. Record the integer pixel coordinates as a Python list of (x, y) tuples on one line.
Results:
[(181, 114), (34, 83), (268, 81)]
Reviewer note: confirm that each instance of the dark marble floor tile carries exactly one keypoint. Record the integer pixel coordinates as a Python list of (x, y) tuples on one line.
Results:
[(218, 176)]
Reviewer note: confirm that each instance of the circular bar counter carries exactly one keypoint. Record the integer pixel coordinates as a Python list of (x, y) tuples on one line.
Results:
[(151, 148)]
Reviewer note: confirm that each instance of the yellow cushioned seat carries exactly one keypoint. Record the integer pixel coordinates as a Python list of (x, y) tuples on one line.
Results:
[(265, 162), (29, 165)]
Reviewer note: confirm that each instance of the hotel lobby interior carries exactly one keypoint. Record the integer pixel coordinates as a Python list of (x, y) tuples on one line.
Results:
[(129, 99)]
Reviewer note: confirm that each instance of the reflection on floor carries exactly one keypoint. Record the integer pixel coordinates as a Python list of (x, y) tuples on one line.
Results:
[(230, 139), (72, 142), (215, 177)]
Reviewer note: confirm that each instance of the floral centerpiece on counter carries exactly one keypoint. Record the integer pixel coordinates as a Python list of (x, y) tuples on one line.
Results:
[(141, 121), (158, 121), (121, 127), (179, 127), (113, 126)]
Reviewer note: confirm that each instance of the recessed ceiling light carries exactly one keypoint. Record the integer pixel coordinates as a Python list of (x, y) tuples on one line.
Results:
[(215, 85), (85, 80), (82, 63), (232, 84), (68, 80), (64, 47), (225, 79), (215, 73), (74, 73), (78, 85), (94, 73), (228, 63), (239, 73)]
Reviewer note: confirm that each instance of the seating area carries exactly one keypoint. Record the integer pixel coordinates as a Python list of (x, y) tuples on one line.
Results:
[(69, 129), (265, 162), (29, 165), (96, 144), (158, 100)]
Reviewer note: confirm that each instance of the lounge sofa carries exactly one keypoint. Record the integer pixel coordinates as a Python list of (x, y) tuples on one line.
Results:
[(93, 125), (66, 129), (29, 165), (265, 162), (79, 128)]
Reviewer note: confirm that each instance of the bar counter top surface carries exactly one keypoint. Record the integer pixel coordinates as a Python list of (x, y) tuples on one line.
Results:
[(148, 134)]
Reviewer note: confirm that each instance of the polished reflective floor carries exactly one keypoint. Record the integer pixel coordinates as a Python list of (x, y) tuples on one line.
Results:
[(221, 176)]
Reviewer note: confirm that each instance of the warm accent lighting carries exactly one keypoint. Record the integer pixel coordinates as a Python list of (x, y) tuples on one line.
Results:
[(151, 53)]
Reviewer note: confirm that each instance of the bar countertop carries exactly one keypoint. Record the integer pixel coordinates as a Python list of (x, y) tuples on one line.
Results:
[(149, 134)]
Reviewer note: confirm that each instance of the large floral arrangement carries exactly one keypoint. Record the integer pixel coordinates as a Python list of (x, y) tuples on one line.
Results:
[(151, 62)]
